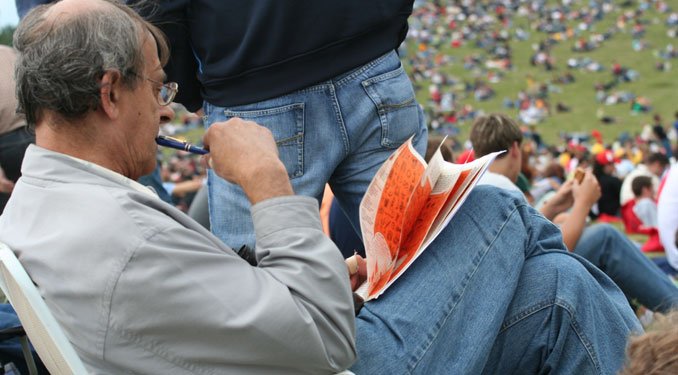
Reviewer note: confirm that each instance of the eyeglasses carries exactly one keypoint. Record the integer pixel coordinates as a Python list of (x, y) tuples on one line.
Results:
[(167, 91)]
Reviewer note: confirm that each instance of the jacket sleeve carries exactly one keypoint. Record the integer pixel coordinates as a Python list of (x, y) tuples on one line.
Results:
[(203, 309), (171, 16)]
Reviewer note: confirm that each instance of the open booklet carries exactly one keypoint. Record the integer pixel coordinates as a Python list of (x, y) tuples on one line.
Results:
[(406, 206)]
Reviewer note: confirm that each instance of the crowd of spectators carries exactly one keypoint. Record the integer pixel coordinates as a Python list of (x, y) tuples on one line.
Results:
[(481, 38), (626, 173)]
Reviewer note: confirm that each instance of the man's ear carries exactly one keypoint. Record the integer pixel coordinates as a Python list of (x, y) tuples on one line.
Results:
[(515, 149), (110, 93)]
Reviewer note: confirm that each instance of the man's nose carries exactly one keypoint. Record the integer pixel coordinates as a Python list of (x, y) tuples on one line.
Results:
[(166, 114)]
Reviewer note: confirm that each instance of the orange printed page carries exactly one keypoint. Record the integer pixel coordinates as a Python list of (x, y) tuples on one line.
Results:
[(427, 202), (378, 255), (409, 250), (468, 176), (420, 196), (447, 183), (404, 178), (383, 210), (413, 213)]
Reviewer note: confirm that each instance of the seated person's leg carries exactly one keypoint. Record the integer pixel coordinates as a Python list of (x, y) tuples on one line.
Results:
[(342, 232), (665, 266), (562, 321), (637, 276), (444, 314)]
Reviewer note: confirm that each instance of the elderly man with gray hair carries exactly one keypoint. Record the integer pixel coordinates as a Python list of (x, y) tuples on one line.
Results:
[(139, 287)]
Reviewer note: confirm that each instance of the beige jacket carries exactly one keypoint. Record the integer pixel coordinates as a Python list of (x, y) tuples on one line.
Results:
[(139, 287)]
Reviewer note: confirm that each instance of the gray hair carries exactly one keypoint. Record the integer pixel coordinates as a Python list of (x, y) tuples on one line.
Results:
[(61, 61)]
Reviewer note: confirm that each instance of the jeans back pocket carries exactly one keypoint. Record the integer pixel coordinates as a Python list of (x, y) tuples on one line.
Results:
[(287, 125), (393, 96)]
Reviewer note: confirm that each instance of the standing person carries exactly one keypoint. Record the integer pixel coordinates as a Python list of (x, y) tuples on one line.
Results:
[(23, 6), (14, 134), (654, 166), (323, 76), (667, 218)]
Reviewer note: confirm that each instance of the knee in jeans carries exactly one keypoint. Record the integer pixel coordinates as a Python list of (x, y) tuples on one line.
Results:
[(558, 275), (596, 237), (603, 230)]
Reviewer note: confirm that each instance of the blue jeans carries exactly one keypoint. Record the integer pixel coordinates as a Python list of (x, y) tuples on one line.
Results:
[(496, 293), (23, 6), (339, 131), (663, 263), (636, 275)]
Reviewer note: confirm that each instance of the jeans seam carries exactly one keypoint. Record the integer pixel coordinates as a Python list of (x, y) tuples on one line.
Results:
[(353, 75), (580, 334), (573, 324), (452, 303), (264, 112), (340, 120), (314, 88), (383, 77)]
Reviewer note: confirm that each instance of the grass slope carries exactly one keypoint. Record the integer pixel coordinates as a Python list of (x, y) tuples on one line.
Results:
[(660, 87)]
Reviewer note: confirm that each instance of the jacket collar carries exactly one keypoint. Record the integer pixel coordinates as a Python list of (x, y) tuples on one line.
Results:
[(41, 164)]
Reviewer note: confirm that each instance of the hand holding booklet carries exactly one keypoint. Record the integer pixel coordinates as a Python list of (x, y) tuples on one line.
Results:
[(406, 206)]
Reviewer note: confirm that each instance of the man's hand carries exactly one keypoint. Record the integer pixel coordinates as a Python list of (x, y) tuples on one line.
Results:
[(587, 192), (245, 154), (357, 271)]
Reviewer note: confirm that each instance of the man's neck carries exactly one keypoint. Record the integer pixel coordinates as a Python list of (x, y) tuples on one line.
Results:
[(73, 139), (502, 167)]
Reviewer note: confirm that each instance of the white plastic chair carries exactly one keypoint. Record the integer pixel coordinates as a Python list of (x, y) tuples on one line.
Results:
[(54, 349)]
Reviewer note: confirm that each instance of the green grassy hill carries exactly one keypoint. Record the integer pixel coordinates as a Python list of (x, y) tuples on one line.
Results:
[(661, 88)]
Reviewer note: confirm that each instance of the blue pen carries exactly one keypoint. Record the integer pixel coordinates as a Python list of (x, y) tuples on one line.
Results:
[(163, 140)]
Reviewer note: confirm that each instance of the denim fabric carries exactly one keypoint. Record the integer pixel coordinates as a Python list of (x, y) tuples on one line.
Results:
[(343, 234), (339, 131), (10, 349), (636, 275), (663, 263), (496, 293), (23, 6)]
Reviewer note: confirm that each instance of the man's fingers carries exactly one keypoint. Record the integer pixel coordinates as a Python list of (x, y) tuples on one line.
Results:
[(352, 264)]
